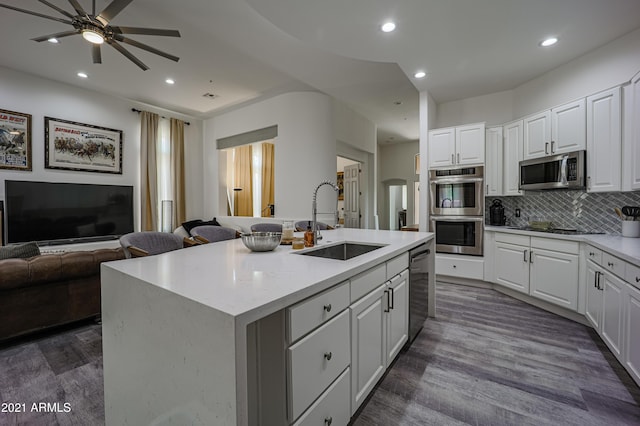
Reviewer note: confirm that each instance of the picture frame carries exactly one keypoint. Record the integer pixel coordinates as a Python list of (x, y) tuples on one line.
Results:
[(340, 184), (70, 145), (15, 140)]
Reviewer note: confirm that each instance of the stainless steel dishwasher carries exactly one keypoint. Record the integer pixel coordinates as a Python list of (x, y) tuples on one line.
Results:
[(420, 269)]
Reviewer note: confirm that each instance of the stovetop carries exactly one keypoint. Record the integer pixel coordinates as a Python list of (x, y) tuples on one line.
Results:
[(562, 231)]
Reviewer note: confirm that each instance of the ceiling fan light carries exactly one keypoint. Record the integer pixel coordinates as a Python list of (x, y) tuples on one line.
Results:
[(93, 36)]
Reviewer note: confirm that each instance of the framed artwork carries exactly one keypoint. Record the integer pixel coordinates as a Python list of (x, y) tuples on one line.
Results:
[(15, 140), (340, 183), (82, 147), (416, 163)]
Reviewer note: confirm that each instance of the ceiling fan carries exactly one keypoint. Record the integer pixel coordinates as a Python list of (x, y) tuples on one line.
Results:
[(96, 29)]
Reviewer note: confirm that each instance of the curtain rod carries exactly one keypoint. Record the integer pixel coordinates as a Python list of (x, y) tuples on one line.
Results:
[(139, 111)]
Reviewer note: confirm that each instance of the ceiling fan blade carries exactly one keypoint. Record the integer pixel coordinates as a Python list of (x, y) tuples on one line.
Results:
[(146, 31), (128, 54), (145, 47), (96, 54), (56, 35), (53, 18), (54, 7), (77, 7), (112, 10)]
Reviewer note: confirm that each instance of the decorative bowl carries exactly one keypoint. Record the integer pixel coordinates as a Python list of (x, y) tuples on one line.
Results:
[(261, 241)]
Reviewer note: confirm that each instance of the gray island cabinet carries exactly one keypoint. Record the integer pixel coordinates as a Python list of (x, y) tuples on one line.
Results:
[(218, 335)]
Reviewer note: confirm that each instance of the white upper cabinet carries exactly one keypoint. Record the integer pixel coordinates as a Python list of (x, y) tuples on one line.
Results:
[(556, 131), (512, 155), (456, 146), (568, 127), (631, 147), (442, 147), (537, 135), (470, 144), (493, 162), (604, 141)]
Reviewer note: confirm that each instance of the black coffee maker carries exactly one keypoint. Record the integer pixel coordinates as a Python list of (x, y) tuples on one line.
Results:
[(496, 213)]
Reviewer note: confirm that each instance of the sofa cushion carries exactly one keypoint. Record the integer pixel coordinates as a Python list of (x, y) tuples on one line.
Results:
[(23, 250)]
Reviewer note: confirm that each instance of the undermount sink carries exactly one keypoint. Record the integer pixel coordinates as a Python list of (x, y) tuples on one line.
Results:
[(342, 251)]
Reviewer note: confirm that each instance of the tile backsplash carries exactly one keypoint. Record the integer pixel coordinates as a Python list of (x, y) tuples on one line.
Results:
[(591, 212)]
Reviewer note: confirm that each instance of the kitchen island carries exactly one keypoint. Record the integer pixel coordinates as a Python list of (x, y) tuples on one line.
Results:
[(184, 332)]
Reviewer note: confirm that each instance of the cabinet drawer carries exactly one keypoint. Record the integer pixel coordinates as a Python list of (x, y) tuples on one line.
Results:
[(316, 361), (521, 240), (460, 266), (363, 283), (397, 265), (333, 407), (553, 244), (613, 264), (632, 275), (310, 313), (594, 254)]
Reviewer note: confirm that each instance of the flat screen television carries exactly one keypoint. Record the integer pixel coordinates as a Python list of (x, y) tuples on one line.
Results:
[(64, 213)]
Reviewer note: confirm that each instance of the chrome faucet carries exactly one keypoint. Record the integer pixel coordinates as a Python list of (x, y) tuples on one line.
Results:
[(314, 209)]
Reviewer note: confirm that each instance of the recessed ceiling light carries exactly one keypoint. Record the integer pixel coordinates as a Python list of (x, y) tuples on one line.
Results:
[(53, 40), (420, 74), (387, 27), (170, 81), (82, 74), (549, 42)]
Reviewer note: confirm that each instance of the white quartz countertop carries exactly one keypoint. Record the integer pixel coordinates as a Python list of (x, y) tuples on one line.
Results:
[(246, 285), (625, 248)]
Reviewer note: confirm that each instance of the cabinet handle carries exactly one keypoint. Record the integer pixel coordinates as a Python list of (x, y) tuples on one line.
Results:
[(638, 279), (552, 151), (531, 256), (591, 254), (487, 188), (525, 255), (610, 264), (328, 355), (546, 147), (327, 307), (328, 420), (458, 158), (453, 159), (392, 298), (388, 304), (599, 286), (595, 279)]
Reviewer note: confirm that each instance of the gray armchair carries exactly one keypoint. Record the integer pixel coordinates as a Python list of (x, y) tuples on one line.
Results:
[(209, 233), (149, 243), (266, 227)]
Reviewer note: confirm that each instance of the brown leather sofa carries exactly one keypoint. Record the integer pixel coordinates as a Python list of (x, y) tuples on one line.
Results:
[(51, 289)]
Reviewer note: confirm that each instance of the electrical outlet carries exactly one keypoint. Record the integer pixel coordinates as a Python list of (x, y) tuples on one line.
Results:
[(517, 212)]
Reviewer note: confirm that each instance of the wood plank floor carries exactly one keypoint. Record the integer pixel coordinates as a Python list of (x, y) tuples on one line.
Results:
[(486, 360), (489, 359)]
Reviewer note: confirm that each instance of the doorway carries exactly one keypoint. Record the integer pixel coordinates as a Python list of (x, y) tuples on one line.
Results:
[(349, 197)]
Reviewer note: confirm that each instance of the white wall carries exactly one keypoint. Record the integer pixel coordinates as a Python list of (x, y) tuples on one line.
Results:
[(610, 65), (41, 97), (600, 69), (397, 164), (305, 151), (495, 108)]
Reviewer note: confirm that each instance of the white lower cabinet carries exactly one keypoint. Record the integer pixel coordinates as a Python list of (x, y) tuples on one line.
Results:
[(368, 336), (613, 305), (545, 268), (332, 408), (632, 321), (613, 292), (379, 329)]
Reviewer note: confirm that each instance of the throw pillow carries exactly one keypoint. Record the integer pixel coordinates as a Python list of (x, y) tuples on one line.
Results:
[(24, 250), (189, 225)]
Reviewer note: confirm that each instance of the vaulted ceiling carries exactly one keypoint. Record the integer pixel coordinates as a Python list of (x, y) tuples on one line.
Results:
[(245, 50)]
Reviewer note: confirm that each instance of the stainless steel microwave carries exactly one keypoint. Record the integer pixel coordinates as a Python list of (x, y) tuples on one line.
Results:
[(554, 172)]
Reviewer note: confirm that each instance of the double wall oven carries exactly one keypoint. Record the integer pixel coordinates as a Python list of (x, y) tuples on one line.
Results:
[(456, 206)]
